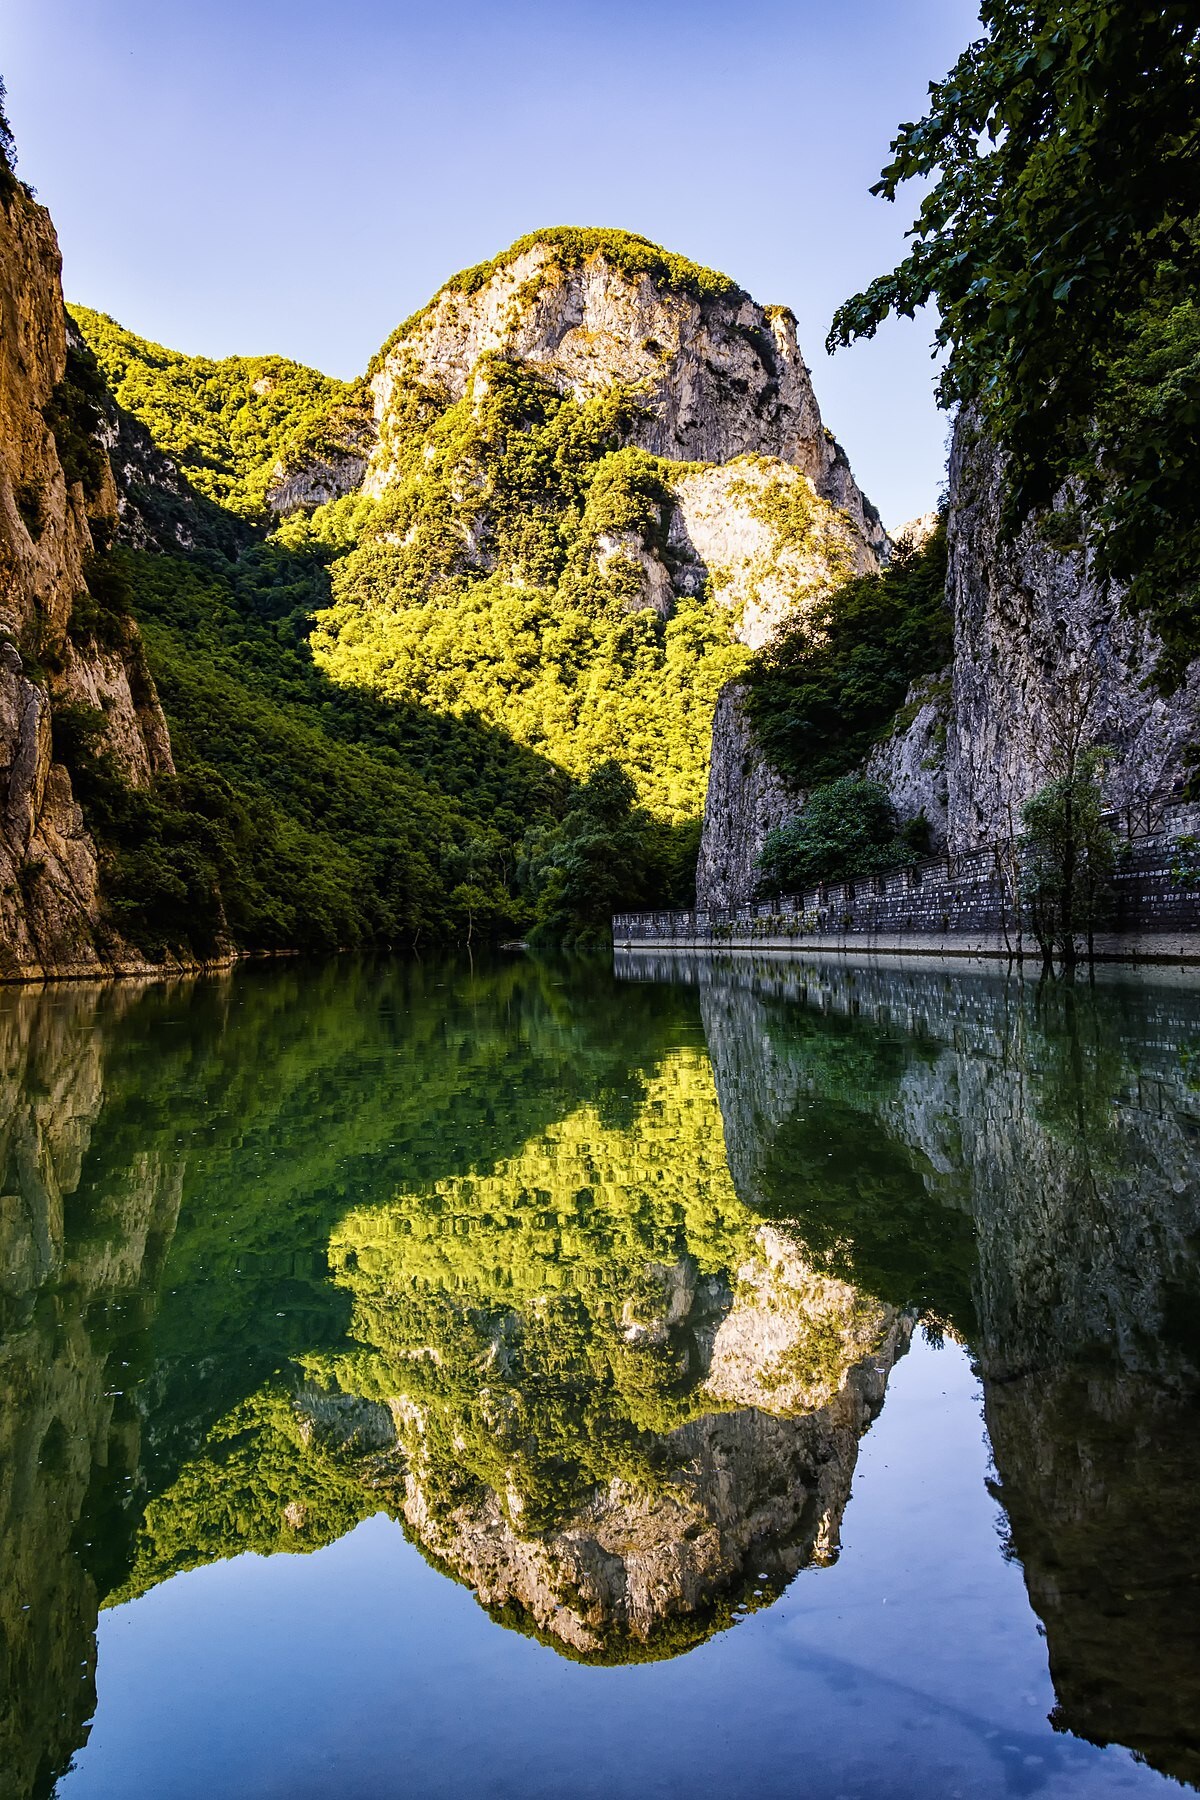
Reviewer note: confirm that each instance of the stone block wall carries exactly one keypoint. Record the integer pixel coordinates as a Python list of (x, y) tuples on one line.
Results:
[(966, 901)]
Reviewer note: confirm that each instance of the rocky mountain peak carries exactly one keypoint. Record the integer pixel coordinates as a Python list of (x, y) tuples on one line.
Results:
[(715, 375)]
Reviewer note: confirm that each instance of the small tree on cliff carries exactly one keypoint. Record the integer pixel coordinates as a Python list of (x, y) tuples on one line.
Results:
[(848, 828), (1068, 858)]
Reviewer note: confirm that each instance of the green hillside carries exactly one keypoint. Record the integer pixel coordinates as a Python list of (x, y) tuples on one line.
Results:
[(383, 736)]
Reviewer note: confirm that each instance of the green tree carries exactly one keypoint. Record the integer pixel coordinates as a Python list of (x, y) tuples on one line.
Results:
[(1068, 857), (8, 149), (848, 828), (1058, 237), (599, 861), (820, 695)]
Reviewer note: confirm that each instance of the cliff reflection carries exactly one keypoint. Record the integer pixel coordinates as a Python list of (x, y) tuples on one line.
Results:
[(1027, 1174), (593, 1287), (287, 1249)]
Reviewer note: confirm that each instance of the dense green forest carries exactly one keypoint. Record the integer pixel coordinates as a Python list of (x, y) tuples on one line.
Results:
[(379, 737)]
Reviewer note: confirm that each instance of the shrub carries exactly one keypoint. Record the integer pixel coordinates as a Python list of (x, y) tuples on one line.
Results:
[(823, 693), (848, 828)]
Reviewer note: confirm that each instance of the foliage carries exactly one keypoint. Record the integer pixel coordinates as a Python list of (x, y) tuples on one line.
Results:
[(605, 856), (1185, 861), (227, 423), (1068, 857), (8, 151), (474, 587), (73, 414), (1059, 238), (825, 691), (569, 247), (349, 823), (846, 829), (401, 695)]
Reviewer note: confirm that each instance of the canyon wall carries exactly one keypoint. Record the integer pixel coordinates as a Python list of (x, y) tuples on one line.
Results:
[(58, 510), (1043, 655)]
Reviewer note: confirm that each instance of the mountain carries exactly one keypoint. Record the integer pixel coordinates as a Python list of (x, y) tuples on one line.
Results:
[(439, 649)]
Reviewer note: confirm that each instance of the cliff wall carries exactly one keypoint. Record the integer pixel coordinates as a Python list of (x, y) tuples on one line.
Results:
[(1044, 653), (58, 507), (1044, 656)]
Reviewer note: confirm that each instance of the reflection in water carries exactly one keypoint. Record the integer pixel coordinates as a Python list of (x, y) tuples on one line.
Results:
[(593, 1295), (1054, 1222)]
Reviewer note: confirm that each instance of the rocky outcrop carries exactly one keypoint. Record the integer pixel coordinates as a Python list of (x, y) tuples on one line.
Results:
[(1044, 654), (331, 460), (911, 762), (747, 798), (715, 377), (58, 504), (635, 1572), (765, 540)]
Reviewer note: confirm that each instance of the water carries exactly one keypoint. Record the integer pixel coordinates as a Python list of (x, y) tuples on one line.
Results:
[(530, 1381)]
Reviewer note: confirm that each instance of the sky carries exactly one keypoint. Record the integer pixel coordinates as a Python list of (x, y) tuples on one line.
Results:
[(291, 176)]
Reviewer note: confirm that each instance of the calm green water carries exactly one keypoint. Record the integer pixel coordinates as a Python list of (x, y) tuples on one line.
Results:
[(532, 1381)]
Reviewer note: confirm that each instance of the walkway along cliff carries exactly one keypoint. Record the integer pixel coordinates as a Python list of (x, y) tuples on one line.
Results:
[(964, 904)]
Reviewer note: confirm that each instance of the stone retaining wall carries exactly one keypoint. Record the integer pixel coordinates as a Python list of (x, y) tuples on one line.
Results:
[(962, 904)]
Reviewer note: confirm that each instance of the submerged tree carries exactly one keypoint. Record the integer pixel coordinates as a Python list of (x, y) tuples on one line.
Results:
[(1068, 858)]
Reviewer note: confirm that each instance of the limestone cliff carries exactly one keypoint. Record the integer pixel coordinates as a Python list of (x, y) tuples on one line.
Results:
[(58, 507), (1043, 651), (717, 376), (746, 799), (1044, 655)]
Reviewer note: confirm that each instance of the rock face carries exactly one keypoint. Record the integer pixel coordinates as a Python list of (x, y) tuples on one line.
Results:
[(911, 763), (1042, 651), (1042, 655), (51, 913), (747, 798), (717, 377)]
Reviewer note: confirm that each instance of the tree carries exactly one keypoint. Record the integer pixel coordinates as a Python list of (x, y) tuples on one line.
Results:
[(1068, 856), (600, 860), (848, 828), (823, 692), (8, 149), (1059, 240)]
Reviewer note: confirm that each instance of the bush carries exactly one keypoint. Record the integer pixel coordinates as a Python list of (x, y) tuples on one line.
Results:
[(822, 694), (848, 828), (1068, 858)]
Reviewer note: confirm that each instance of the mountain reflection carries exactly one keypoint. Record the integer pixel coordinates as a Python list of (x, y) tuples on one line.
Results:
[(594, 1287)]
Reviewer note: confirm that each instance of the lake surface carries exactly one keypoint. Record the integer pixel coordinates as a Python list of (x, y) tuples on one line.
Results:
[(529, 1380)]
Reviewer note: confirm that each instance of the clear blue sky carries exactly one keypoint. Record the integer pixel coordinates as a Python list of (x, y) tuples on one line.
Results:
[(247, 175)]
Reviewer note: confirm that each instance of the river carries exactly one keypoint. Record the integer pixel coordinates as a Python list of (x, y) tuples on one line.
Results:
[(691, 1378)]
